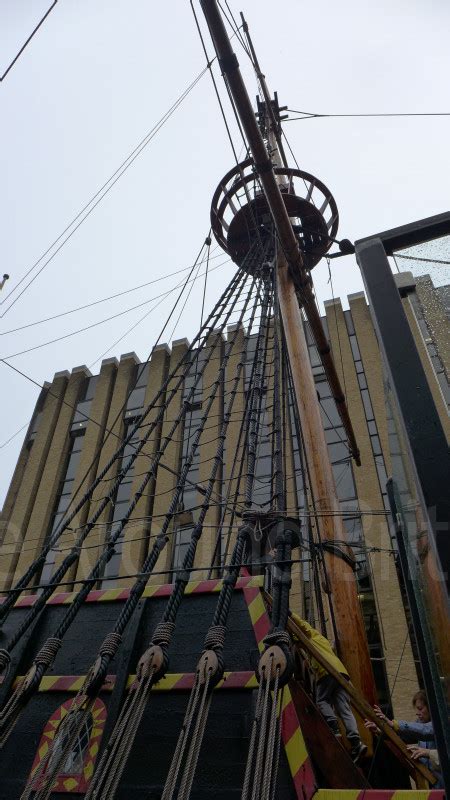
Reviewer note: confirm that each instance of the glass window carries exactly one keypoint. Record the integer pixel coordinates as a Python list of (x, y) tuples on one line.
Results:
[(376, 445), (372, 427), (343, 476), (142, 371), (67, 486), (63, 503), (323, 389), (349, 322), (77, 442), (123, 492), (182, 541), (354, 529), (73, 765), (329, 412), (264, 466), (47, 569), (333, 435), (120, 509), (81, 416), (367, 404), (355, 348), (136, 399), (382, 476), (72, 465), (56, 520), (362, 380), (338, 452), (314, 357)]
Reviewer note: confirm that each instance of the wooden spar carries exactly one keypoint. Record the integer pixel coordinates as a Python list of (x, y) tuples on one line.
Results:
[(341, 579), (342, 583), (263, 166)]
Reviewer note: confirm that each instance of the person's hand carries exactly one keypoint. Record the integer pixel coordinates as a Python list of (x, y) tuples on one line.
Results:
[(371, 726), (382, 716), (417, 752)]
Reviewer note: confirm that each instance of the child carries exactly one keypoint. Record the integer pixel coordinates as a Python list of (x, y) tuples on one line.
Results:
[(331, 697)]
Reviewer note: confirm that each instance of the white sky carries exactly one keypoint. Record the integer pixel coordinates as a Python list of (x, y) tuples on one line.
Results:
[(98, 76)]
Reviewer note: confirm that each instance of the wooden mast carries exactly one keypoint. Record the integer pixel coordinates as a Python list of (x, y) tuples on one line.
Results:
[(342, 584)]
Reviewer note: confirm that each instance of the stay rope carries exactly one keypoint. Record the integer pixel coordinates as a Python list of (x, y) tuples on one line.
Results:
[(150, 665), (22, 693)]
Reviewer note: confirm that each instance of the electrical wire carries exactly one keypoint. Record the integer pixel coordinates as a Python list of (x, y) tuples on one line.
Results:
[(14, 435), (312, 115), (100, 194), (16, 57), (108, 319), (110, 297), (119, 413)]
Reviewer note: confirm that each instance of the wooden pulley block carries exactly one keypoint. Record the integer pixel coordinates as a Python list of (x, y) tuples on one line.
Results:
[(208, 665), (271, 661), (150, 661)]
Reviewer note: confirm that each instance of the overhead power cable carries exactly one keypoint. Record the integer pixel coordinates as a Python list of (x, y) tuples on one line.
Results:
[(99, 195), (16, 57), (314, 115), (70, 514), (109, 297), (107, 319), (17, 701)]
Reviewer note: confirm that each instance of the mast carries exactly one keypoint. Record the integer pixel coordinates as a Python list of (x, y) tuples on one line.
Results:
[(294, 284)]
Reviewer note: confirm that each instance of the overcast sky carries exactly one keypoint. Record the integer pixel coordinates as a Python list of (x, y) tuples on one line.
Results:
[(99, 75)]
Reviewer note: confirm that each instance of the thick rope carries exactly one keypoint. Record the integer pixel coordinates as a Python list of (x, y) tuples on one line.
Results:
[(12, 710), (196, 743), (215, 637), (123, 738), (183, 738), (64, 524)]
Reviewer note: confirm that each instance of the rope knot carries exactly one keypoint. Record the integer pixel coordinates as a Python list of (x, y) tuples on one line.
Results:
[(281, 638), (215, 638), (163, 633), (48, 652), (111, 645)]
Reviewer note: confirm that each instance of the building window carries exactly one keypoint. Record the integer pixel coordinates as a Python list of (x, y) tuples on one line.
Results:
[(121, 503), (135, 402), (83, 407), (63, 499), (78, 767), (430, 344), (370, 420), (181, 544)]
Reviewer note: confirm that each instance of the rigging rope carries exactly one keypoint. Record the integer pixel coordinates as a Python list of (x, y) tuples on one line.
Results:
[(29, 685), (150, 667), (108, 775), (98, 196), (65, 522), (211, 663)]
